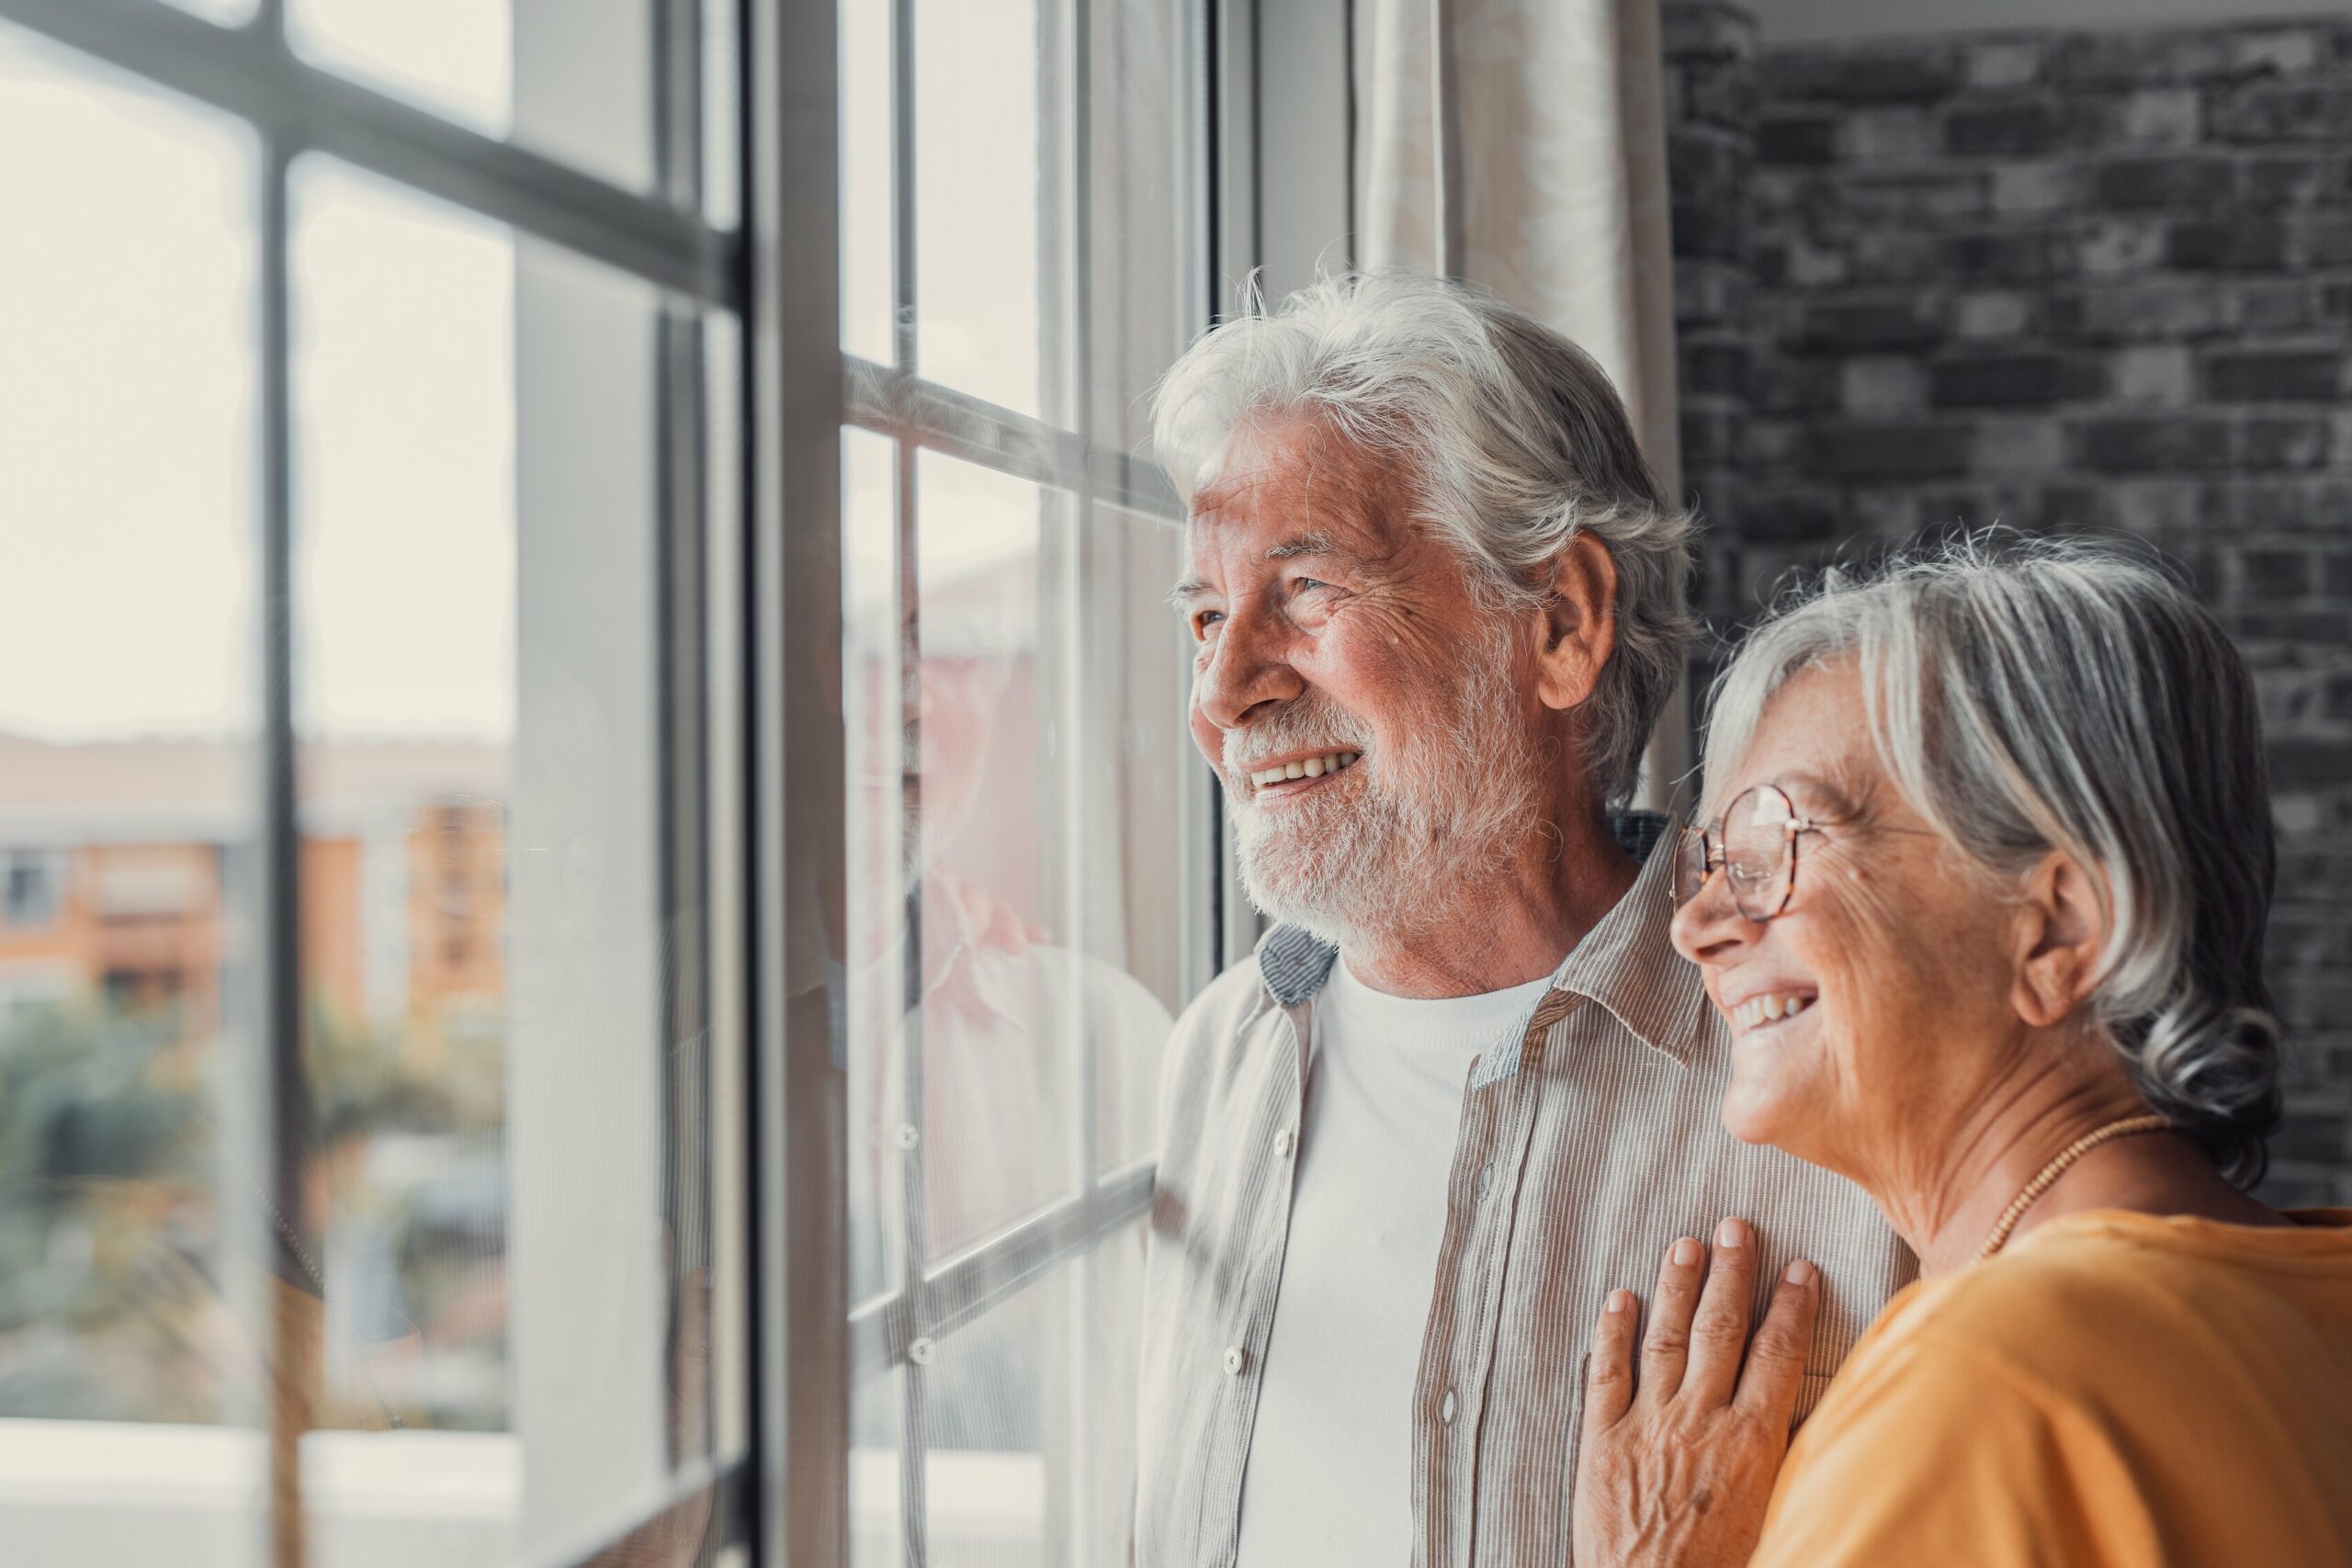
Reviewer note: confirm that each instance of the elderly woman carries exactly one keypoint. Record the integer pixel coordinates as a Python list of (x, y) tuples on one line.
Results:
[(1985, 904)]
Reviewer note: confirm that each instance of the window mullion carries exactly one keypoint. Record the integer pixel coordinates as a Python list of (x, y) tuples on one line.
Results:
[(905, 406), (883, 1330)]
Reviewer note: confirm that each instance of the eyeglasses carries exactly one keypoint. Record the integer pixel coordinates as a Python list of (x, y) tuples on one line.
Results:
[(1755, 843)]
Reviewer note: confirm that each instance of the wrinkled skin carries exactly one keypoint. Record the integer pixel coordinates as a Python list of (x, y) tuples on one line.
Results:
[(1681, 1440)]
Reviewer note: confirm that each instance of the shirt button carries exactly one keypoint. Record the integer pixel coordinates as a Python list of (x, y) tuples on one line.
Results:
[(1235, 1358), (1446, 1408), (1282, 1144), (1486, 1178)]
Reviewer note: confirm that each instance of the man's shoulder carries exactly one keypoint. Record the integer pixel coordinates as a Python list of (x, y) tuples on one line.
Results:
[(1213, 1023)]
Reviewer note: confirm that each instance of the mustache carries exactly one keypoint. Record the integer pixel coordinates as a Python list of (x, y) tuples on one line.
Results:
[(1302, 724)]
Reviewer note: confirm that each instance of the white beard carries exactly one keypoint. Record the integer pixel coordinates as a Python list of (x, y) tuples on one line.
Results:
[(1426, 824)]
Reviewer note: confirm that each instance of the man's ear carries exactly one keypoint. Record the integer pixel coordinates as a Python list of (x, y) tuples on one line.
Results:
[(2062, 929), (1579, 623)]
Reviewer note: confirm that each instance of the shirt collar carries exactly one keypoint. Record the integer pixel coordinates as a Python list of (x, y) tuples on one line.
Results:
[(1627, 962)]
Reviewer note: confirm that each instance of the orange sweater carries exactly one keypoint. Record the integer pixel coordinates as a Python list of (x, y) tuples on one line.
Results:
[(2113, 1389)]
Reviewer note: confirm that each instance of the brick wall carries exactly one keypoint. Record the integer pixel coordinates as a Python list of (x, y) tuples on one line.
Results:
[(2064, 281)]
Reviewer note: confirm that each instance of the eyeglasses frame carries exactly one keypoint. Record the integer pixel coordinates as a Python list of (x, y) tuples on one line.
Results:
[(1713, 857)]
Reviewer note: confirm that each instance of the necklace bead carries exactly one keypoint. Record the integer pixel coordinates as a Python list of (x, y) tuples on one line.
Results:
[(2057, 1168)]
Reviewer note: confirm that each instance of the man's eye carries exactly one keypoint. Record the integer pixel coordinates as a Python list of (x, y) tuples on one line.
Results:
[(1301, 584), (1203, 621)]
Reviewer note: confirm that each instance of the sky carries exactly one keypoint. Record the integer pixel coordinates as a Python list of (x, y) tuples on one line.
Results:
[(128, 375)]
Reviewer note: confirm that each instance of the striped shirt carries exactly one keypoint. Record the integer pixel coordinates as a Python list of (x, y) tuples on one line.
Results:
[(1582, 1152)]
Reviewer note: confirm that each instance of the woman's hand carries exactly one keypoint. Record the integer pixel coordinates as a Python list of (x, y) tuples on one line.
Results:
[(1674, 1468)]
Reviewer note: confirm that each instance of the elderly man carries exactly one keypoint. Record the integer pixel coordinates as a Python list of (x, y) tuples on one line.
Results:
[(1466, 1087)]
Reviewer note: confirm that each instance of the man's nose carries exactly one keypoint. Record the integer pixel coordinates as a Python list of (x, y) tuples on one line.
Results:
[(1246, 672), (1709, 928)]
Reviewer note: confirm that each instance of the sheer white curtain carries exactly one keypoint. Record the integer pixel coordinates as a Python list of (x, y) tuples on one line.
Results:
[(1520, 145)]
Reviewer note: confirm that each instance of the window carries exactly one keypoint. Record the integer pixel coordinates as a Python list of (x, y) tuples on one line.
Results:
[(620, 841), (1019, 262), (371, 1191)]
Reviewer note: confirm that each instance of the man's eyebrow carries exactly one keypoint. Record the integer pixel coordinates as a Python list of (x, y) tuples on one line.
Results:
[(1314, 544), (1185, 592)]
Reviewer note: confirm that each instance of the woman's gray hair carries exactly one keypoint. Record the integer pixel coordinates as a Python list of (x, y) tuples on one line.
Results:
[(1508, 437), (2028, 696)]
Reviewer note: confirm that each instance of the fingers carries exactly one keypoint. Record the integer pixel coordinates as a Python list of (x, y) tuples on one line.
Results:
[(1719, 1329), (1666, 1349), (1775, 1371), (1608, 1371)]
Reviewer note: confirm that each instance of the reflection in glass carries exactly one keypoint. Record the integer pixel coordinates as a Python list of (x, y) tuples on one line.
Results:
[(129, 1365), (1002, 1061), (878, 853)]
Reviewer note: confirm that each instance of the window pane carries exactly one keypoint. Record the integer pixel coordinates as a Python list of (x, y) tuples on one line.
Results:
[(985, 296), (1012, 1053), (508, 993), (576, 80), (868, 302), (997, 1050), (879, 853), (1142, 242), (132, 1287), (1028, 1420)]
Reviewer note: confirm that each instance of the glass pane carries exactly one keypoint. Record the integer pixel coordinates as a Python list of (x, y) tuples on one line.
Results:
[(577, 81), (507, 979), (1133, 750), (998, 1048), (985, 292), (868, 302), (878, 855), (455, 57), (1027, 1420), (134, 1378), (1148, 278)]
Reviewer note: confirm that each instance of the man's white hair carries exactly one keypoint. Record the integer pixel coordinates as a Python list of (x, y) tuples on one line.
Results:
[(1508, 440), (2031, 695)]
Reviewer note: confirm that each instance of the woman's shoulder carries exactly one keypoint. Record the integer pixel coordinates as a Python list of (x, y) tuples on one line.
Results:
[(2096, 1295)]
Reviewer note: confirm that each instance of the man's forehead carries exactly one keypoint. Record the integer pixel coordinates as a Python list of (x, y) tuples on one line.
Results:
[(1295, 484)]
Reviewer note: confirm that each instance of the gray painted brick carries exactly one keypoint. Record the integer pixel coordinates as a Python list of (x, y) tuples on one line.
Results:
[(2128, 184), (2124, 444), (1883, 451), (2275, 375)]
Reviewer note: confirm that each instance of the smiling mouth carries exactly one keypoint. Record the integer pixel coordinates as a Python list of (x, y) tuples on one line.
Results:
[(1764, 1012), (1301, 772)]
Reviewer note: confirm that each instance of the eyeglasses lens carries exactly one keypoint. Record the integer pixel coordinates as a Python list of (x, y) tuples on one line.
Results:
[(1757, 851)]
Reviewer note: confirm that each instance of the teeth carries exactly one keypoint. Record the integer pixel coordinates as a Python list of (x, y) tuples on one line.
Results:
[(1307, 768), (1759, 1010)]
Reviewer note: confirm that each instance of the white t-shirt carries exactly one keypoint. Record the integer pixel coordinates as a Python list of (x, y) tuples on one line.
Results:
[(1328, 1480)]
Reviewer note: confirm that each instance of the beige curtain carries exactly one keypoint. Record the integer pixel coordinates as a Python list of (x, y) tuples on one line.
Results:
[(1520, 145)]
